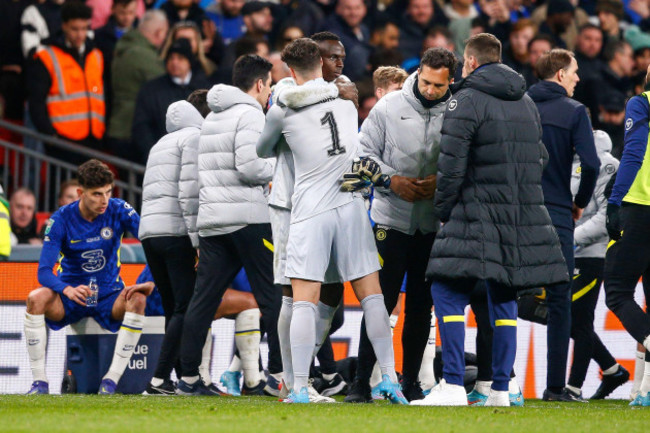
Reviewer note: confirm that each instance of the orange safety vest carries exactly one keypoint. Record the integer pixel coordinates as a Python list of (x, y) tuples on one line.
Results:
[(75, 102)]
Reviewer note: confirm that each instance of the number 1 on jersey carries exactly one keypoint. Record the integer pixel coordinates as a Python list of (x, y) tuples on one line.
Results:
[(328, 119)]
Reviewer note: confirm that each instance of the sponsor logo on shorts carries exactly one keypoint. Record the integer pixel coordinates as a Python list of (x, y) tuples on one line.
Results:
[(381, 234)]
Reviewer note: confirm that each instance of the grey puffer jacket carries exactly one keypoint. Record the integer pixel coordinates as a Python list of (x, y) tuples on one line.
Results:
[(489, 192), (590, 235), (170, 202), (233, 180), (404, 138)]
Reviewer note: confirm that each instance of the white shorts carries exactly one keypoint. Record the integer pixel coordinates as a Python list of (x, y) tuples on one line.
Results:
[(336, 243), (280, 221)]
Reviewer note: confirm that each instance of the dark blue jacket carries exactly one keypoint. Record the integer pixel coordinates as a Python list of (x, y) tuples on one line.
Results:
[(566, 131)]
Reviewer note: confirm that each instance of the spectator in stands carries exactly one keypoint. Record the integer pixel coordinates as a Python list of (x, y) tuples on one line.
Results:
[(615, 76), (156, 95), (227, 16), (385, 35), (515, 51), (22, 209), (183, 10), (39, 22), (257, 18), (588, 47), (537, 46), (460, 14), (288, 35), (123, 18), (136, 61), (12, 87), (496, 15), (610, 13), (559, 17), (419, 17), (441, 37), (103, 10), (65, 85), (5, 228), (187, 29), (611, 118), (304, 14), (68, 192), (347, 23)]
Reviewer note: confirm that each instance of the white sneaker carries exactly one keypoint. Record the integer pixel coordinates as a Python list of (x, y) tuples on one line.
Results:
[(444, 394), (315, 397), (498, 398)]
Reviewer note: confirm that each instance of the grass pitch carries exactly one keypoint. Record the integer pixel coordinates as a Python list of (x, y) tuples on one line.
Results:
[(121, 414)]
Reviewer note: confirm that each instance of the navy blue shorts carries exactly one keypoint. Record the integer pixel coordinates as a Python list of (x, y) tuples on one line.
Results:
[(101, 313)]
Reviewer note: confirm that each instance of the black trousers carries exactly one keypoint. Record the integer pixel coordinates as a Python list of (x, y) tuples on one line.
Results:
[(402, 254), (585, 289), (626, 261), (558, 300), (221, 258), (171, 260)]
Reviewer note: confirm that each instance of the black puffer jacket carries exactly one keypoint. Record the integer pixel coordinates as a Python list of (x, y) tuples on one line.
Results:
[(490, 187)]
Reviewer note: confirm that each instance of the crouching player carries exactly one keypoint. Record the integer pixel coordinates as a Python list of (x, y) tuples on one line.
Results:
[(85, 238)]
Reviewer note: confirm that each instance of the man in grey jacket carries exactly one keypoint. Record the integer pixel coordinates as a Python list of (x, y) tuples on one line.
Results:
[(233, 218), (168, 226), (402, 133)]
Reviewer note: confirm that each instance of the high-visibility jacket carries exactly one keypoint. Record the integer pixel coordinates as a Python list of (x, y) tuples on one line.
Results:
[(5, 229), (75, 102)]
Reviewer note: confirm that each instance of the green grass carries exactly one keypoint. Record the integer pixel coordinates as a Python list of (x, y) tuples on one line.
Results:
[(120, 414)]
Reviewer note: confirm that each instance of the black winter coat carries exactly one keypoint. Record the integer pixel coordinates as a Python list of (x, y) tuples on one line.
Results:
[(489, 192)]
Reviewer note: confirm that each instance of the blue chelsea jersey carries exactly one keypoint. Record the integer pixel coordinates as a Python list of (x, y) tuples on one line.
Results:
[(86, 249)]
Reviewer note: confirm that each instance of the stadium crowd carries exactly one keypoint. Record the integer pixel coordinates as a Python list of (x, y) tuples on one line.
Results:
[(491, 150)]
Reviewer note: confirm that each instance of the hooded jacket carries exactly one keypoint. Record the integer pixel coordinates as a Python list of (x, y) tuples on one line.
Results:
[(170, 188), (567, 131), (404, 138), (489, 192), (233, 179), (590, 235)]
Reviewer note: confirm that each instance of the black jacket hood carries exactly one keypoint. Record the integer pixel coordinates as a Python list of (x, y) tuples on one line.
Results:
[(497, 80), (546, 91)]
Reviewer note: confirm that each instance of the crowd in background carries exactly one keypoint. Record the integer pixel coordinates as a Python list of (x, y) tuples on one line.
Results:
[(156, 52)]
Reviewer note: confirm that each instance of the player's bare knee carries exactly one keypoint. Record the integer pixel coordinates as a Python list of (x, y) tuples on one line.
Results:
[(38, 299), (137, 303)]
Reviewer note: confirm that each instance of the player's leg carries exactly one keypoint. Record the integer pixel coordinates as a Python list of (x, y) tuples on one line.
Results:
[(450, 299), (503, 314), (484, 334), (131, 313), (417, 313), (642, 397), (627, 260), (303, 334), (41, 303), (241, 305), (284, 339), (391, 246), (218, 265), (614, 374), (332, 383), (255, 250)]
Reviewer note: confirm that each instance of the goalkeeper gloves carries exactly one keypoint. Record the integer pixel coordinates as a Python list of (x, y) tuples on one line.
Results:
[(365, 173)]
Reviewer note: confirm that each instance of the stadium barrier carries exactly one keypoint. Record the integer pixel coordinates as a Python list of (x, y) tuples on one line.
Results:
[(18, 279)]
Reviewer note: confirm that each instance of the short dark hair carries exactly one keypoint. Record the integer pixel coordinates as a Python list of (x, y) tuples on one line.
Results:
[(613, 47), (440, 30), (122, 2), (199, 99), (94, 174), (248, 69), (248, 45), (485, 47), (67, 184), (438, 57), (542, 37), (75, 10), (325, 36), (302, 55), (553, 61), (588, 26)]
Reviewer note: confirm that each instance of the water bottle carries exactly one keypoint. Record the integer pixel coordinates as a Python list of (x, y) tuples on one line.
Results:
[(91, 301)]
